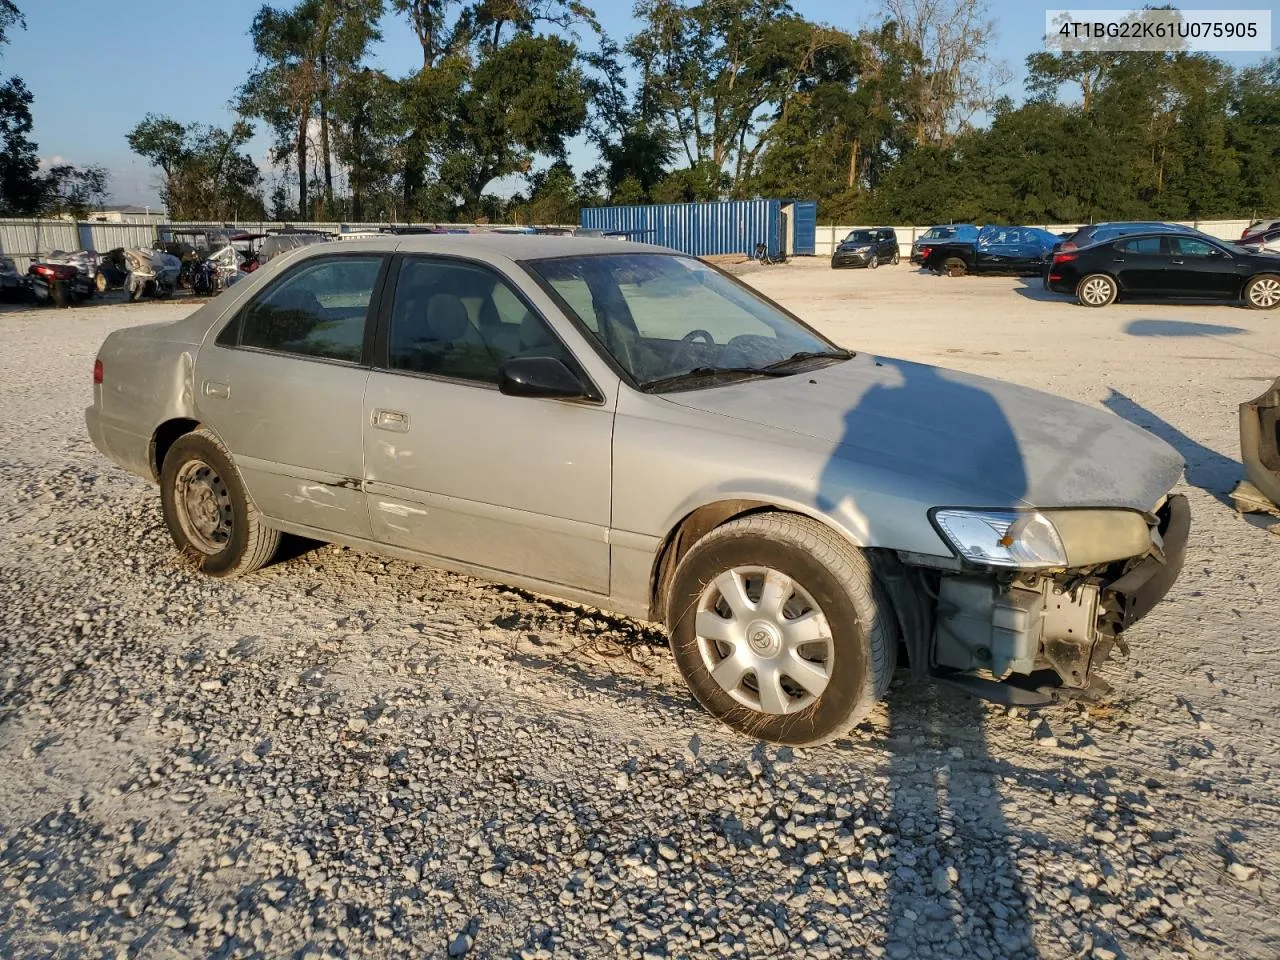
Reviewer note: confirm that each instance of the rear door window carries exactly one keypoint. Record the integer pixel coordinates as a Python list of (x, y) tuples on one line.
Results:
[(320, 309), (1141, 246)]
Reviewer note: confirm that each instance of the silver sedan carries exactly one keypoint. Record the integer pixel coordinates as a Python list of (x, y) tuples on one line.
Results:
[(630, 428)]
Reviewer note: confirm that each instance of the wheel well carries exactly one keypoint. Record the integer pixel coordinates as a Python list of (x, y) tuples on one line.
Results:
[(687, 532), (165, 436)]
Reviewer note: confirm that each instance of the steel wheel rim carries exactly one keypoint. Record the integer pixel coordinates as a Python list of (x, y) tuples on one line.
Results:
[(764, 640), (203, 505), (1265, 293), (1096, 290)]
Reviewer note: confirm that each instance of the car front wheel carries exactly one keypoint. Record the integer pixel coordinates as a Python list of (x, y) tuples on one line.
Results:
[(781, 630), (1263, 293), (1096, 290), (207, 510)]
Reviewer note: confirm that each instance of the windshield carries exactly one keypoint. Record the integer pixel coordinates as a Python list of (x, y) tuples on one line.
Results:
[(661, 315), (859, 236)]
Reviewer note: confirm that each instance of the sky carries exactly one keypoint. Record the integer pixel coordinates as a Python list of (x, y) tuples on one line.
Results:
[(92, 85)]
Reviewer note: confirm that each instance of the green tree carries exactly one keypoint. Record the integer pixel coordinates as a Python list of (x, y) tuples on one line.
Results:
[(21, 187), (205, 175)]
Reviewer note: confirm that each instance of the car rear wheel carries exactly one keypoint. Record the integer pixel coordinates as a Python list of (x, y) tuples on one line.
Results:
[(1096, 290), (207, 510), (780, 629), (1263, 293), (896, 258), (954, 267)]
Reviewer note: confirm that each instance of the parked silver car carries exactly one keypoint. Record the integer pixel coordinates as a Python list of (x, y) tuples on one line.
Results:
[(630, 428)]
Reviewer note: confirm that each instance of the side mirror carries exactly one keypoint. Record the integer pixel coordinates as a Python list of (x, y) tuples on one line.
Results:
[(546, 377)]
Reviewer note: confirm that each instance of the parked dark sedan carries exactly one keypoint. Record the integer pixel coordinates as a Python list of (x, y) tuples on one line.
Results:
[(1168, 266), (866, 248), (1098, 232)]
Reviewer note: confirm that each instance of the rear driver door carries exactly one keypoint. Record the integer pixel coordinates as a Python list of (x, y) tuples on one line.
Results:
[(283, 386)]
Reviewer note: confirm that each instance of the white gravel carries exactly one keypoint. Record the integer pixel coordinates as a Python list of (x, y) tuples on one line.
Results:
[(344, 756)]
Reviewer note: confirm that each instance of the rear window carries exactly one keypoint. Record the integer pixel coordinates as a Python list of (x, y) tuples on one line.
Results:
[(1145, 246)]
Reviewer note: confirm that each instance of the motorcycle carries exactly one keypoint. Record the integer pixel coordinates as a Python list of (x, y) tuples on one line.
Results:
[(85, 261), (58, 283), (152, 273)]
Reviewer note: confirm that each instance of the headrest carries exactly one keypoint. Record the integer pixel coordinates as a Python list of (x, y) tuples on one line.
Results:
[(447, 317)]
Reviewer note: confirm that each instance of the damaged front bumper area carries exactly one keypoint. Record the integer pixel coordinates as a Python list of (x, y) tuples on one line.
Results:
[(990, 628)]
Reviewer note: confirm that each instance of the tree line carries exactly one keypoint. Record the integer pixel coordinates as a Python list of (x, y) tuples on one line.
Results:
[(900, 122), (25, 189)]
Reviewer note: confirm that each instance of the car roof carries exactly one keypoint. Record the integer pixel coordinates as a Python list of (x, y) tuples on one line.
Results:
[(512, 246)]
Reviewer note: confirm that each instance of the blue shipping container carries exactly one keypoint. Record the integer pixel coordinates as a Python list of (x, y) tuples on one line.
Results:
[(706, 229)]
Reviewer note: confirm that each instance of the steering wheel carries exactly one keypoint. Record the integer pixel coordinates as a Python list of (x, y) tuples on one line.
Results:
[(693, 335)]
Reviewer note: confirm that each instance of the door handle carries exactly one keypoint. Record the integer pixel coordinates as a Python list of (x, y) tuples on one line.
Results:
[(392, 420), (1178, 262), (1118, 260), (219, 391)]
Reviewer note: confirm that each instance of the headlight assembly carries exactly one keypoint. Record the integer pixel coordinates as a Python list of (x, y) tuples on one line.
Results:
[(1050, 538), (1003, 538)]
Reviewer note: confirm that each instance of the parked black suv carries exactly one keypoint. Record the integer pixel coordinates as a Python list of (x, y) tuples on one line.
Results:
[(866, 247)]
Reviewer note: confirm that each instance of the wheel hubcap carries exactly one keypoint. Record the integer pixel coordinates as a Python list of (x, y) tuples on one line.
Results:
[(764, 640), (203, 506), (1097, 291), (1266, 293)]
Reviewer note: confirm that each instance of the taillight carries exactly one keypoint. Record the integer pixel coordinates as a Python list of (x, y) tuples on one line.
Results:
[(1067, 245), (925, 251), (1063, 258), (97, 371)]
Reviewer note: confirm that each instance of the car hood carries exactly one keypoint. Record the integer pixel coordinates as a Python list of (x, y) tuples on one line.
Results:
[(1002, 444)]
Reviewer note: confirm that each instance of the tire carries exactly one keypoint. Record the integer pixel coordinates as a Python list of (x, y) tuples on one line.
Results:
[(100, 282), (1263, 292), (954, 267), (60, 294), (236, 542), (874, 261), (1096, 290), (897, 258), (858, 651)]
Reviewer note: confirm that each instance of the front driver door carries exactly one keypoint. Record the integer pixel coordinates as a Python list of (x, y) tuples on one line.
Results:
[(1198, 268), (283, 386), (457, 470)]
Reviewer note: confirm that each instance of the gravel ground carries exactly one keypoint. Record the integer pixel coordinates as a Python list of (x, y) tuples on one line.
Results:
[(343, 756)]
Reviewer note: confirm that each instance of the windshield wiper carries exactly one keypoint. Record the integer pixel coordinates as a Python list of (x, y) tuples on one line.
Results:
[(788, 362), (779, 368), (710, 373)]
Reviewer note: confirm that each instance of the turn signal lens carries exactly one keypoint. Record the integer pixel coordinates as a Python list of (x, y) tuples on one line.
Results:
[(97, 371)]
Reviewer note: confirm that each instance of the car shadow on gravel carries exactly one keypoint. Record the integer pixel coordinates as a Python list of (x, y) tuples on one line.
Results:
[(1207, 469), (1032, 288)]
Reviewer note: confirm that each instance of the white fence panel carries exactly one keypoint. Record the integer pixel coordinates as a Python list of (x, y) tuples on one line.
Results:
[(25, 240), (107, 236)]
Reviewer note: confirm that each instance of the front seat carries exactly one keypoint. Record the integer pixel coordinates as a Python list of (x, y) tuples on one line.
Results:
[(455, 342)]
